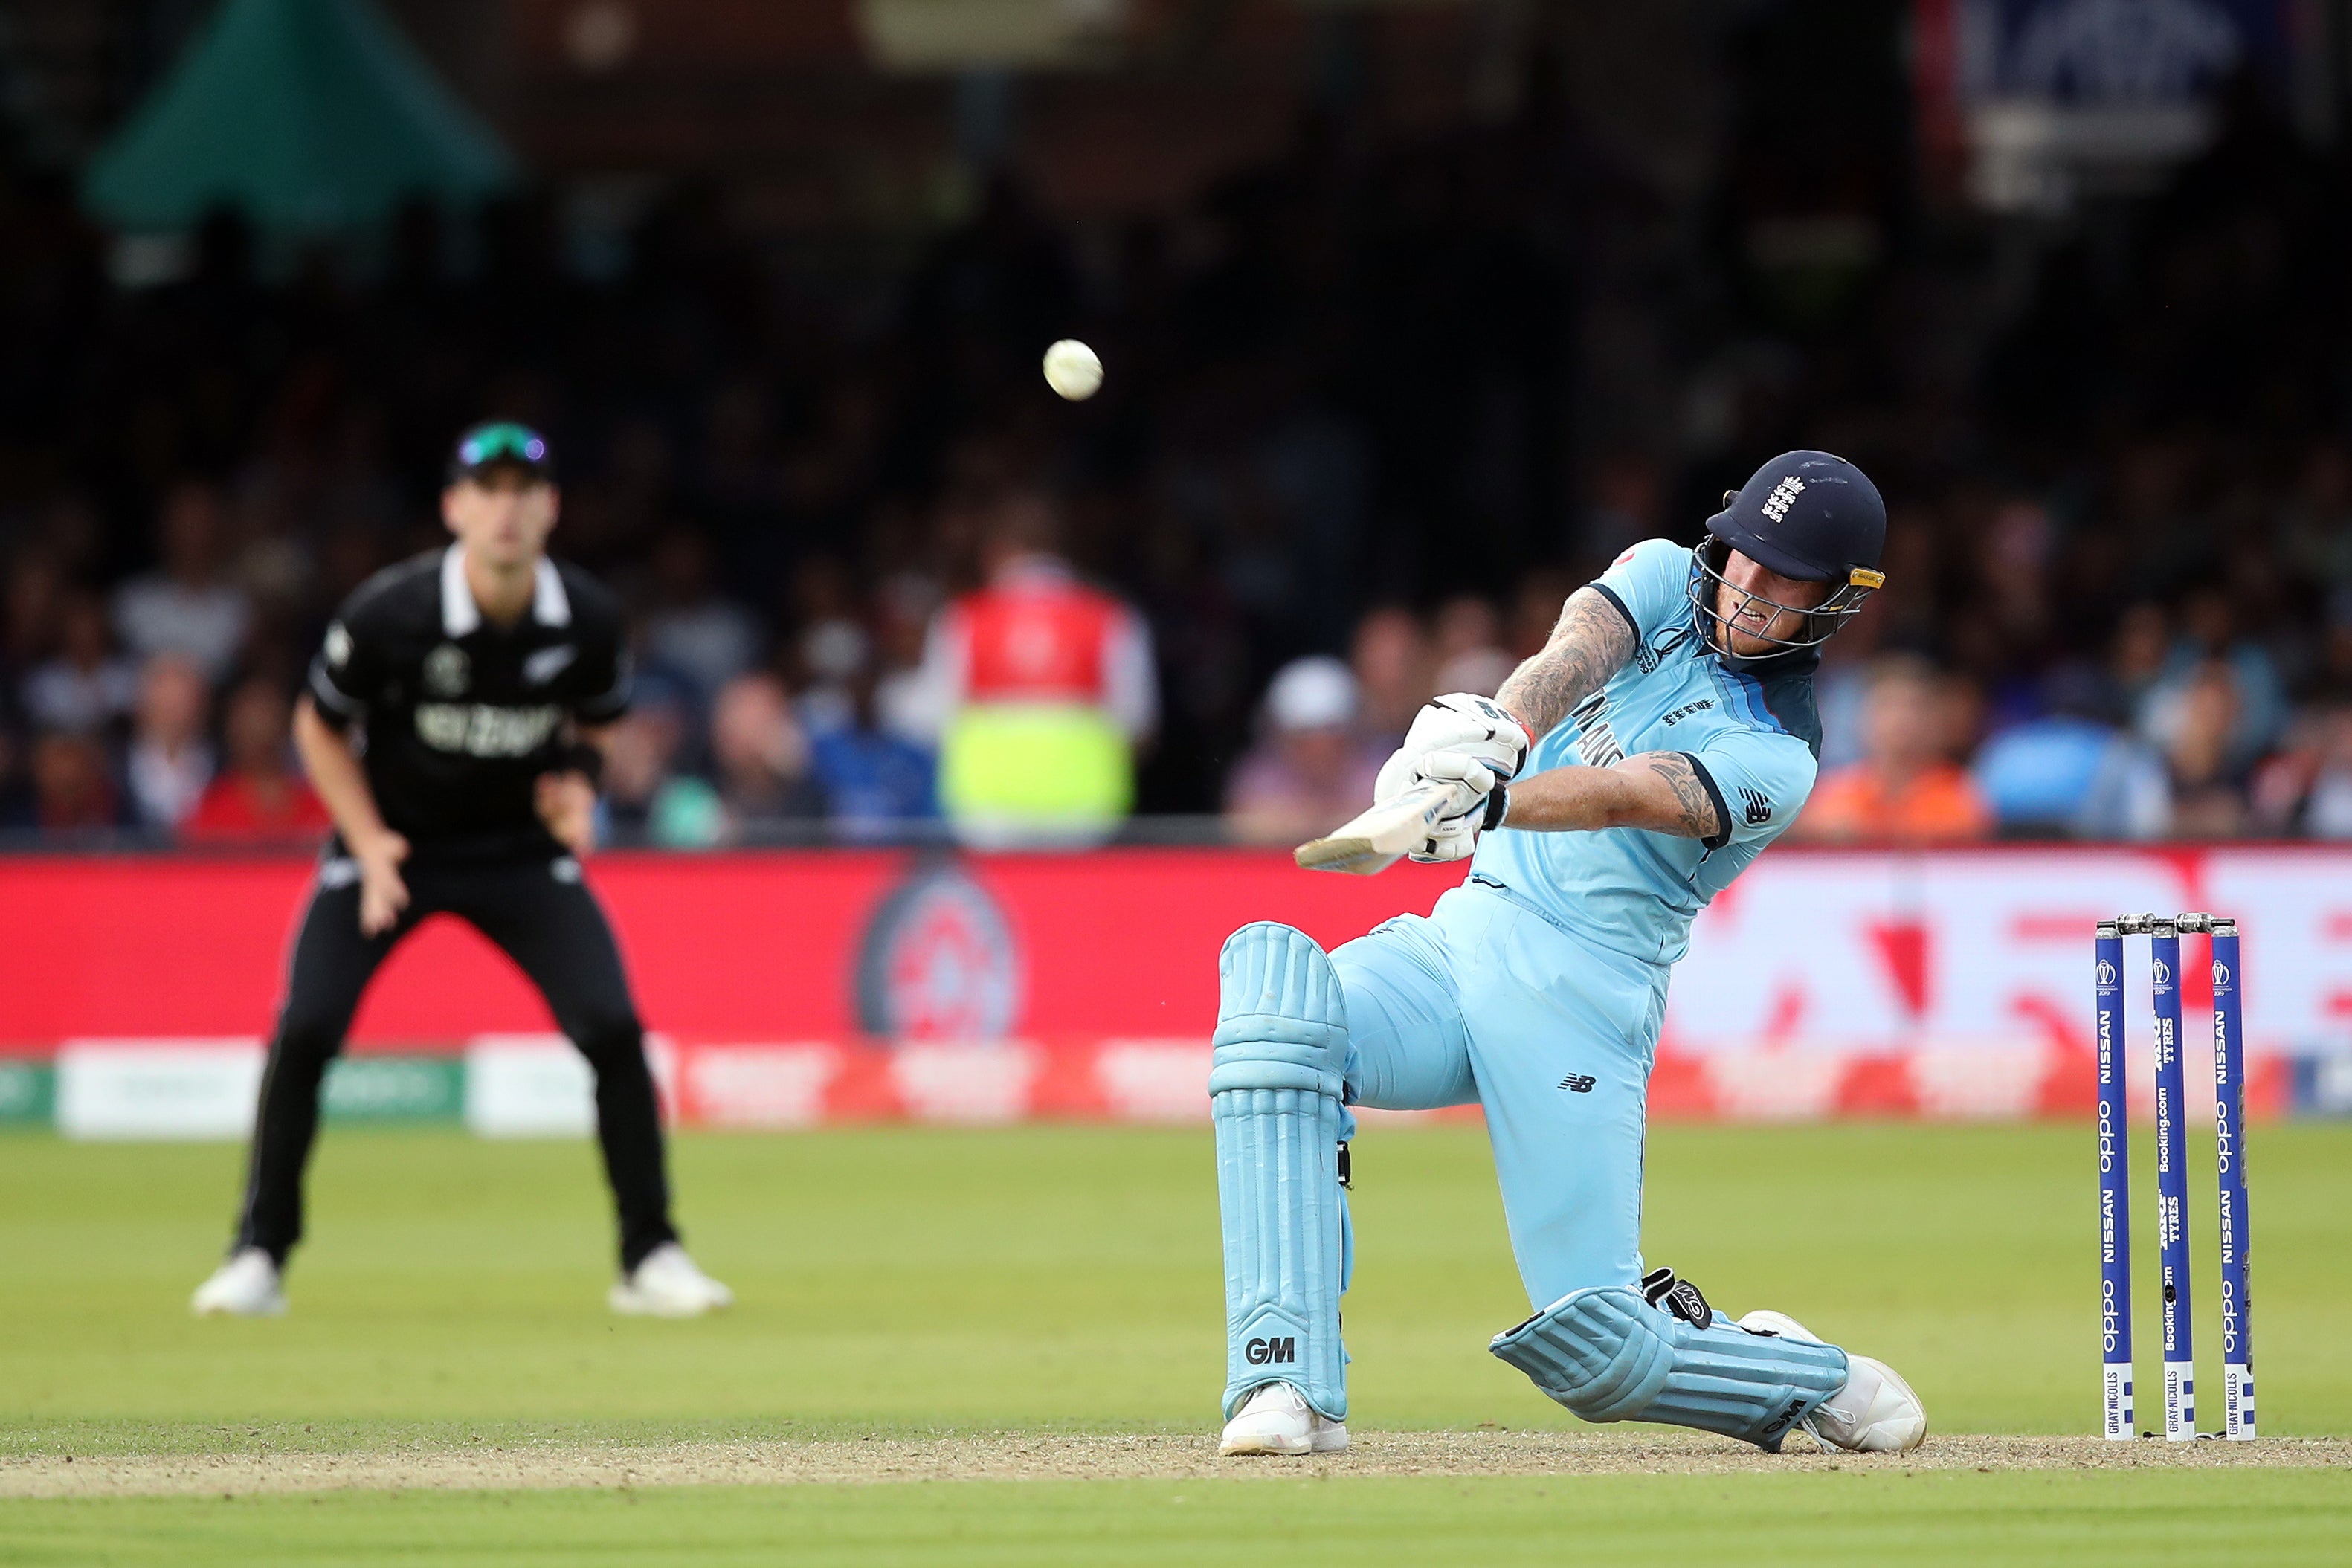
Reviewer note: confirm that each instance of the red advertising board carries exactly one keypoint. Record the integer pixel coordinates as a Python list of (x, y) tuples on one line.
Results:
[(1952, 983), (722, 946), (1847, 952)]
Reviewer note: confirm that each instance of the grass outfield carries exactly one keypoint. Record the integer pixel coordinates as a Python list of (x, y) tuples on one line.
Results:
[(2281, 1520), (901, 1284)]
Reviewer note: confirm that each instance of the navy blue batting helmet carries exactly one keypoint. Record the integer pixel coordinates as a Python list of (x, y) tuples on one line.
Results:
[(1805, 514)]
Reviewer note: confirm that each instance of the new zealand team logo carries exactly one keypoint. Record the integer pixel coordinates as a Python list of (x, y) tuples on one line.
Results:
[(547, 663), (938, 962)]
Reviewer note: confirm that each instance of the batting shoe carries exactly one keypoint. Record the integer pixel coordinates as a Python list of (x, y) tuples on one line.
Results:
[(668, 1285), (1873, 1413), (246, 1286), (1277, 1419)]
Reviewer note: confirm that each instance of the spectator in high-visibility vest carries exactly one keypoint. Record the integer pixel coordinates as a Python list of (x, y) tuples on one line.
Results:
[(1045, 691)]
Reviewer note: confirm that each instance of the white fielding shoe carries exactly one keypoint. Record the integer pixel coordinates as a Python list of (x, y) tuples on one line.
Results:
[(668, 1285), (246, 1286), (1875, 1413), (1277, 1419)]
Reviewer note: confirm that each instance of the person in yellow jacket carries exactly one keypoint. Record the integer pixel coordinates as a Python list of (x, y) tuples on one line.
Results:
[(1045, 689)]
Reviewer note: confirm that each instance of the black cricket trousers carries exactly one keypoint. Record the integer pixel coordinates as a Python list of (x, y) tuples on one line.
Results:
[(543, 916)]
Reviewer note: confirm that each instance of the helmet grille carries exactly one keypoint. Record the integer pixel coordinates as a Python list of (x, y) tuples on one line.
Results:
[(1709, 591)]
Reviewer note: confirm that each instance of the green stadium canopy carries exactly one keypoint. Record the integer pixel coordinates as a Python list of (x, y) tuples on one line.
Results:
[(311, 115)]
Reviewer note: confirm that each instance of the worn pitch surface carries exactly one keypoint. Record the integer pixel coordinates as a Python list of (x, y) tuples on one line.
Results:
[(1019, 1457)]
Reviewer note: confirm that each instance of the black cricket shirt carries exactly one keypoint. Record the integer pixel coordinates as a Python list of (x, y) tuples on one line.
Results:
[(460, 716)]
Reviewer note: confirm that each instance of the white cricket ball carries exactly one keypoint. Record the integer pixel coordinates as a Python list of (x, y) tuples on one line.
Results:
[(1073, 370)]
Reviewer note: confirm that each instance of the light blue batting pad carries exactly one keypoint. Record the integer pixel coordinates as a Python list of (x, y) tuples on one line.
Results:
[(1609, 1356), (1276, 1086)]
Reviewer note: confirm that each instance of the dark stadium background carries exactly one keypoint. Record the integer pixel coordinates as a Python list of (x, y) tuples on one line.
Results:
[(1418, 309)]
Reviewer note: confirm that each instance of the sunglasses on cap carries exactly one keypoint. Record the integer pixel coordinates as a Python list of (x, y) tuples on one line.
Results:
[(502, 442)]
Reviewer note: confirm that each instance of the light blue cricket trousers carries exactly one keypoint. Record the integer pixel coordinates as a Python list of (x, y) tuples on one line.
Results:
[(1487, 1000)]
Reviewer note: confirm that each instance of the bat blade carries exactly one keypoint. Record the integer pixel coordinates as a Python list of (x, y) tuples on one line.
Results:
[(1381, 837)]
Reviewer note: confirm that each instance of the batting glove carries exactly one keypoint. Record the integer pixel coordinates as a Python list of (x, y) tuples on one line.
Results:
[(1461, 722), (1482, 796)]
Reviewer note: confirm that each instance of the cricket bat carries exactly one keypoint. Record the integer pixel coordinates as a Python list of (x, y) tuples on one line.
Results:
[(1385, 834)]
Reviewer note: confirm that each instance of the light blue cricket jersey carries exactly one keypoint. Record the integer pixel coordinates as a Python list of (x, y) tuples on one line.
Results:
[(1754, 739)]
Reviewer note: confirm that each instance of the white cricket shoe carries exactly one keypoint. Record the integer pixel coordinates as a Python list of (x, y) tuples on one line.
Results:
[(1876, 1411), (246, 1286), (1277, 1419), (668, 1285)]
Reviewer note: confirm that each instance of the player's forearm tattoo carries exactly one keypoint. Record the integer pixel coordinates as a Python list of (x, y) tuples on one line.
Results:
[(1694, 814), (1589, 644)]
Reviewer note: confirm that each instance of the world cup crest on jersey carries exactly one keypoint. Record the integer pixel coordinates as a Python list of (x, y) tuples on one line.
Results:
[(938, 962), (447, 671)]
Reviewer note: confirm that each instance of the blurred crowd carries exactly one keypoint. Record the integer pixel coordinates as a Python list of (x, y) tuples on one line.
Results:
[(2208, 719), (1344, 460)]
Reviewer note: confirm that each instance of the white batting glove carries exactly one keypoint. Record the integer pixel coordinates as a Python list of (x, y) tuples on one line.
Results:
[(1455, 836), (1461, 722)]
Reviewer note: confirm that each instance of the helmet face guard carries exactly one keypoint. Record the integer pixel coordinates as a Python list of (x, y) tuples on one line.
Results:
[(1711, 595)]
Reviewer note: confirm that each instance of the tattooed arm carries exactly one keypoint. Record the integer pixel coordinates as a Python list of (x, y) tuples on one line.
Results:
[(1589, 644), (1659, 790)]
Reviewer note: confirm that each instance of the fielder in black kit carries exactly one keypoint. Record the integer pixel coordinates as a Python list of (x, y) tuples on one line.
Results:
[(452, 727)]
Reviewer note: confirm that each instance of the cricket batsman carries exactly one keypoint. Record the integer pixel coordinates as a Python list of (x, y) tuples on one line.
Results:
[(1619, 780)]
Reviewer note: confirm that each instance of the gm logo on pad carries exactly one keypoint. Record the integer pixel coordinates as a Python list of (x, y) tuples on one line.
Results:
[(1272, 1352)]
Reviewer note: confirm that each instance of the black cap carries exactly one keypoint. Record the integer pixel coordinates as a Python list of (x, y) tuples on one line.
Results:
[(1806, 514), (501, 443)]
